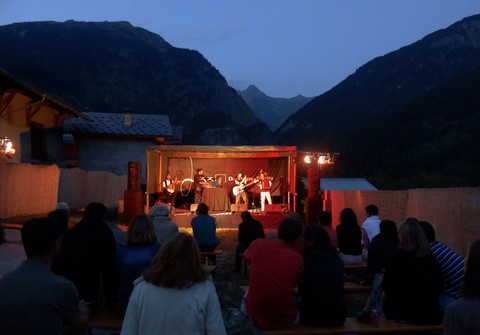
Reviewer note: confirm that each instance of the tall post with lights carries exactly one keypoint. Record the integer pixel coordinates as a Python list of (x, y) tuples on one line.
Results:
[(314, 203)]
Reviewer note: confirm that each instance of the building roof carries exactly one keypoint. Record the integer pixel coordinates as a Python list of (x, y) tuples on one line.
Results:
[(114, 124), (346, 184), (10, 84)]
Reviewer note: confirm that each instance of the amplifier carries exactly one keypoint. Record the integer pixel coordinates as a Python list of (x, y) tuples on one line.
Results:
[(277, 208)]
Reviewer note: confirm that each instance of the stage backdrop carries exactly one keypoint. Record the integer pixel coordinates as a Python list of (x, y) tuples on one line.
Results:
[(223, 163)]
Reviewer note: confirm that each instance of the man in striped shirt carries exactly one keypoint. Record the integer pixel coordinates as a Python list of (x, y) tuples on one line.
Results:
[(451, 264)]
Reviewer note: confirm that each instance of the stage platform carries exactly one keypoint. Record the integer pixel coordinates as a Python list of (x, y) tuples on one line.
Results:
[(228, 219)]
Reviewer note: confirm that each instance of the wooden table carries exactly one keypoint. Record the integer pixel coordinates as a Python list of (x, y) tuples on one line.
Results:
[(217, 199)]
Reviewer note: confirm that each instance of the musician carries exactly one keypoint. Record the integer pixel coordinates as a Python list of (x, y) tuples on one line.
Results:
[(169, 188), (198, 183), (240, 182), (265, 186)]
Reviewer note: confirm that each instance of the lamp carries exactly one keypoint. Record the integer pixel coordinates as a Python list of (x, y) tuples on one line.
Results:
[(6, 146)]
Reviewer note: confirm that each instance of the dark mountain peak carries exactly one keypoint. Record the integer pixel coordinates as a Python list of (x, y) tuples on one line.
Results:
[(106, 66)]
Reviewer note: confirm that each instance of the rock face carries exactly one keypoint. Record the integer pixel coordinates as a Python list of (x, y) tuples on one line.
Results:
[(272, 111), (406, 119), (110, 66)]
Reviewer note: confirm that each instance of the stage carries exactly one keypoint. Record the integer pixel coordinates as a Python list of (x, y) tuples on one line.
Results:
[(183, 218)]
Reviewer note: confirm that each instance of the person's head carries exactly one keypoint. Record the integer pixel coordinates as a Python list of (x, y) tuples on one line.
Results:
[(325, 218), (239, 176), (41, 237), (428, 230), (202, 209), (471, 279), (412, 238), (61, 217), (388, 228), (159, 210), (95, 212), (200, 171), (63, 205), (168, 176), (290, 229), (262, 175), (140, 231), (246, 216), (348, 217), (371, 210), (315, 234), (112, 213), (178, 264)]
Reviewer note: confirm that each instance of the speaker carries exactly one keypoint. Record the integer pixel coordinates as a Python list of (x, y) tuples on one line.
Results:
[(238, 208), (193, 207), (273, 208)]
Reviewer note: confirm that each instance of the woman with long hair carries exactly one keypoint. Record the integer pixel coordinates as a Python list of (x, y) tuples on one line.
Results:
[(175, 295), (463, 315), (412, 279), (135, 256), (349, 235)]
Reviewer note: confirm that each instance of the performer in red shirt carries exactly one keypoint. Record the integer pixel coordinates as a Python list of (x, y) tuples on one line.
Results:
[(265, 186)]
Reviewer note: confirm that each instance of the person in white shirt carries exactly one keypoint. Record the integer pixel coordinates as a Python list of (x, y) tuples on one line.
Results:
[(370, 228)]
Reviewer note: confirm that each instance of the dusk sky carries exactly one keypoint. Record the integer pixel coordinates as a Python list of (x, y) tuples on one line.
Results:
[(284, 47)]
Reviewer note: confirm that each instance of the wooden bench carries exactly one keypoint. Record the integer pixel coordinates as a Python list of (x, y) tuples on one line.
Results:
[(348, 287), (352, 326), (106, 319), (212, 255)]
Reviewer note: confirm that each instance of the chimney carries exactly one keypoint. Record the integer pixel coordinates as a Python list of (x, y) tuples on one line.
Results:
[(127, 119)]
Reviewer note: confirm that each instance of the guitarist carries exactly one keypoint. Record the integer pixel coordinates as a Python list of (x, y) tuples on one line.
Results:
[(240, 182), (169, 188)]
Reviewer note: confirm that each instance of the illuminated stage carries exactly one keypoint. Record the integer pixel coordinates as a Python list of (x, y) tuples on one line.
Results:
[(228, 220)]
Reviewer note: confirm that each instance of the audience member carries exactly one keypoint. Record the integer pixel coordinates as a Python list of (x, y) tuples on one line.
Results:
[(322, 303), (111, 220), (164, 227), (134, 257), (64, 206), (349, 236), (463, 315), (60, 216), (34, 300), (176, 294), (380, 251), (248, 231), (204, 229), (451, 265), (2, 235), (325, 220), (88, 258), (412, 279), (275, 271), (370, 228)]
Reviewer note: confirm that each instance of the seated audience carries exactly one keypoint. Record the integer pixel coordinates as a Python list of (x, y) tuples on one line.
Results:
[(164, 227), (34, 300), (325, 220), (381, 249), (275, 271), (451, 264), (248, 231), (323, 303), (88, 258), (61, 216), (204, 229), (349, 236), (412, 279), (370, 228), (134, 257), (463, 315), (111, 221), (176, 294)]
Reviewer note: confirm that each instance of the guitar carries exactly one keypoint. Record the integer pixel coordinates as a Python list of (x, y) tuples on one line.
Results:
[(171, 186), (241, 188)]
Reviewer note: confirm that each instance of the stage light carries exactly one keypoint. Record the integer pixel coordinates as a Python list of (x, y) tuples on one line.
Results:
[(307, 159), (6, 146)]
